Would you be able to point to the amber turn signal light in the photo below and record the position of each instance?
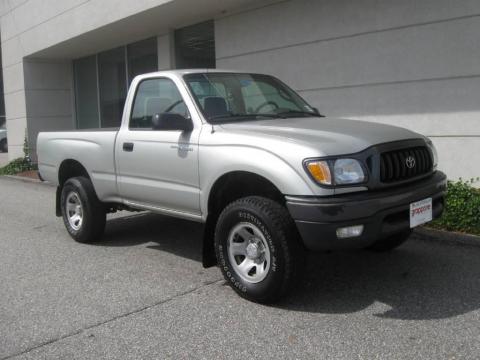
(320, 171)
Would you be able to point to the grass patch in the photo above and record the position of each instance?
(17, 166)
(20, 165)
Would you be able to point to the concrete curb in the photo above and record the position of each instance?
(447, 236)
(25, 179)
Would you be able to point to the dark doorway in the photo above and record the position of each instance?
(195, 46)
(2, 99)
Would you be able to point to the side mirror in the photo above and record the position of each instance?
(171, 121)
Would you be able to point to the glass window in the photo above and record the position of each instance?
(142, 58)
(195, 46)
(86, 94)
(101, 82)
(113, 86)
(204, 90)
(261, 92)
(237, 97)
(155, 96)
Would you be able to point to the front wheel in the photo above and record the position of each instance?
(258, 248)
(83, 214)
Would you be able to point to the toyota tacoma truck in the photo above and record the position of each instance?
(244, 154)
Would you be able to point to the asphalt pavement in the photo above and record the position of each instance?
(141, 293)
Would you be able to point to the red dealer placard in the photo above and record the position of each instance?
(420, 212)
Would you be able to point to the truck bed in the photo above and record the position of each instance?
(94, 149)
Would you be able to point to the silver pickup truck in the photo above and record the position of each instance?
(244, 154)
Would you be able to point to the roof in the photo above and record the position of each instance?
(181, 72)
(178, 73)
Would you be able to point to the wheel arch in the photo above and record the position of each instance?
(71, 168)
(227, 188)
(237, 184)
(68, 168)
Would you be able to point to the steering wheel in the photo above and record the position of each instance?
(175, 104)
(266, 103)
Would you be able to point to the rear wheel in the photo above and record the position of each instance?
(258, 249)
(391, 242)
(83, 214)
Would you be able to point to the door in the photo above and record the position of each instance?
(158, 169)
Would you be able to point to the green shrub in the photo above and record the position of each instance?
(17, 166)
(21, 164)
(462, 210)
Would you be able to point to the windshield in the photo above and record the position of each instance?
(226, 97)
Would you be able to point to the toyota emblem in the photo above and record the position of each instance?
(410, 162)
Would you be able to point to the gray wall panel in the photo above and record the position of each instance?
(409, 63)
(441, 50)
(300, 21)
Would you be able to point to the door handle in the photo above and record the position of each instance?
(128, 147)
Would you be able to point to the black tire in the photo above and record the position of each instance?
(285, 249)
(92, 225)
(4, 146)
(391, 242)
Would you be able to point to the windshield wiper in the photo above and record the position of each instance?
(242, 116)
(299, 112)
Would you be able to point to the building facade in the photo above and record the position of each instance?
(67, 64)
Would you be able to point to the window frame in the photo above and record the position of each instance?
(128, 50)
(75, 93)
(129, 81)
(132, 106)
(101, 99)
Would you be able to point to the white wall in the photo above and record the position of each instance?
(412, 63)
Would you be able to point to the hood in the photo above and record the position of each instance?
(330, 135)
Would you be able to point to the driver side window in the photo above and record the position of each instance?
(155, 96)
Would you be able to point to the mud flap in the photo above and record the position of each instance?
(209, 258)
(58, 209)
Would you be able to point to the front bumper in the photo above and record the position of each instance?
(383, 213)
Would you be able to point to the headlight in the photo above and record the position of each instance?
(433, 149)
(345, 171)
(348, 171)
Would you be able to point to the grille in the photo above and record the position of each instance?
(398, 165)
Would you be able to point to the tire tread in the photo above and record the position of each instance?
(288, 238)
(94, 209)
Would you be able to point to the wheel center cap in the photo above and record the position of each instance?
(253, 252)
